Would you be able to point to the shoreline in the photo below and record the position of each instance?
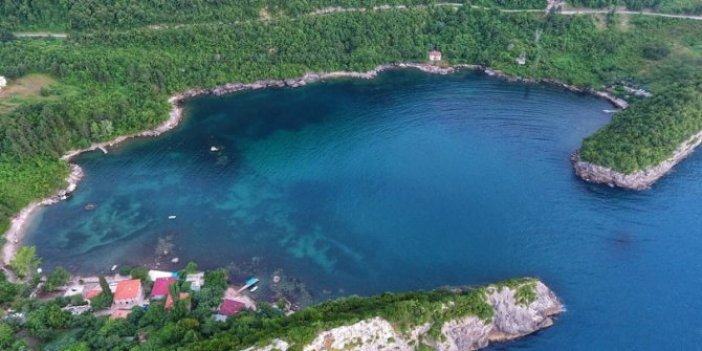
(15, 234)
(639, 180)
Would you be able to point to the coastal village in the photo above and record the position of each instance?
(119, 295)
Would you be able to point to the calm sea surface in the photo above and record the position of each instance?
(409, 181)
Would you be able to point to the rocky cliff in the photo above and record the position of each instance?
(517, 310)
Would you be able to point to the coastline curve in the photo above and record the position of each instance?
(18, 223)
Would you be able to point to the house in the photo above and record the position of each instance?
(3, 82)
(162, 287)
(128, 293)
(196, 280)
(434, 56)
(169, 300)
(228, 308)
(522, 59)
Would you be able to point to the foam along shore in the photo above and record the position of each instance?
(638, 180)
(19, 222)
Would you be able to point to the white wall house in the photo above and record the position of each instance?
(3, 82)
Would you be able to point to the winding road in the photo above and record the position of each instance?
(554, 5)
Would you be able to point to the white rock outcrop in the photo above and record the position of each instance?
(511, 320)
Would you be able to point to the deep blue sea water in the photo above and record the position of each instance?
(409, 181)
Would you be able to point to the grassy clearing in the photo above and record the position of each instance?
(23, 90)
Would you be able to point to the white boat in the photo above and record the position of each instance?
(171, 217)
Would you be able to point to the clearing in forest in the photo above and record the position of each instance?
(23, 89)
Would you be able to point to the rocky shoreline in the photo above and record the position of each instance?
(18, 224)
(511, 320)
(639, 180)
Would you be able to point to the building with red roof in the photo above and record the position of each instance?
(434, 56)
(229, 308)
(162, 287)
(128, 293)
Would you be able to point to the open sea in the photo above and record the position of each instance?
(409, 181)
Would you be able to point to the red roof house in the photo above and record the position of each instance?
(93, 293)
(434, 55)
(128, 293)
(230, 307)
(162, 287)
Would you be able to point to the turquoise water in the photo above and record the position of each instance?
(409, 181)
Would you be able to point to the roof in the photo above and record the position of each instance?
(90, 294)
(162, 286)
(127, 289)
(434, 52)
(230, 307)
(169, 300)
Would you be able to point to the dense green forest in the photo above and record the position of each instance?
(668, 6)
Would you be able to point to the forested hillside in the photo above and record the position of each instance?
(112, 82)
(668, 6)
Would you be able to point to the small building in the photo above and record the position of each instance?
(3, 82)
(522, 59)
(434, 56)
(196, 280)
(169, 300)
(229, 308)
(128, 293)
(162, 287)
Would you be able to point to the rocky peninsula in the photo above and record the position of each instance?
(639, 180)
(512, 318)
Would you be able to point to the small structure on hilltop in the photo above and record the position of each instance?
(128, 294)
(434, 56)
(3, 82)
(228, 308)
(162, 287)
(196, 280)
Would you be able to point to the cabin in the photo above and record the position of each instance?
(434, 56)
(128, 294)
(229, 308)
(162, 287)
(196, 280)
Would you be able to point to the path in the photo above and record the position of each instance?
(41, 35)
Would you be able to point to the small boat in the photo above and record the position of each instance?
(214, 149)
(113, 268)
(254, 288)
(171, 217)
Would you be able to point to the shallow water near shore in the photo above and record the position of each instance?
(409, 181)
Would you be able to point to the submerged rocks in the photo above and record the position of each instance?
(513, 317)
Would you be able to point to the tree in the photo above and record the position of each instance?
(58, 277)
(6, 336)
(26, 261)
